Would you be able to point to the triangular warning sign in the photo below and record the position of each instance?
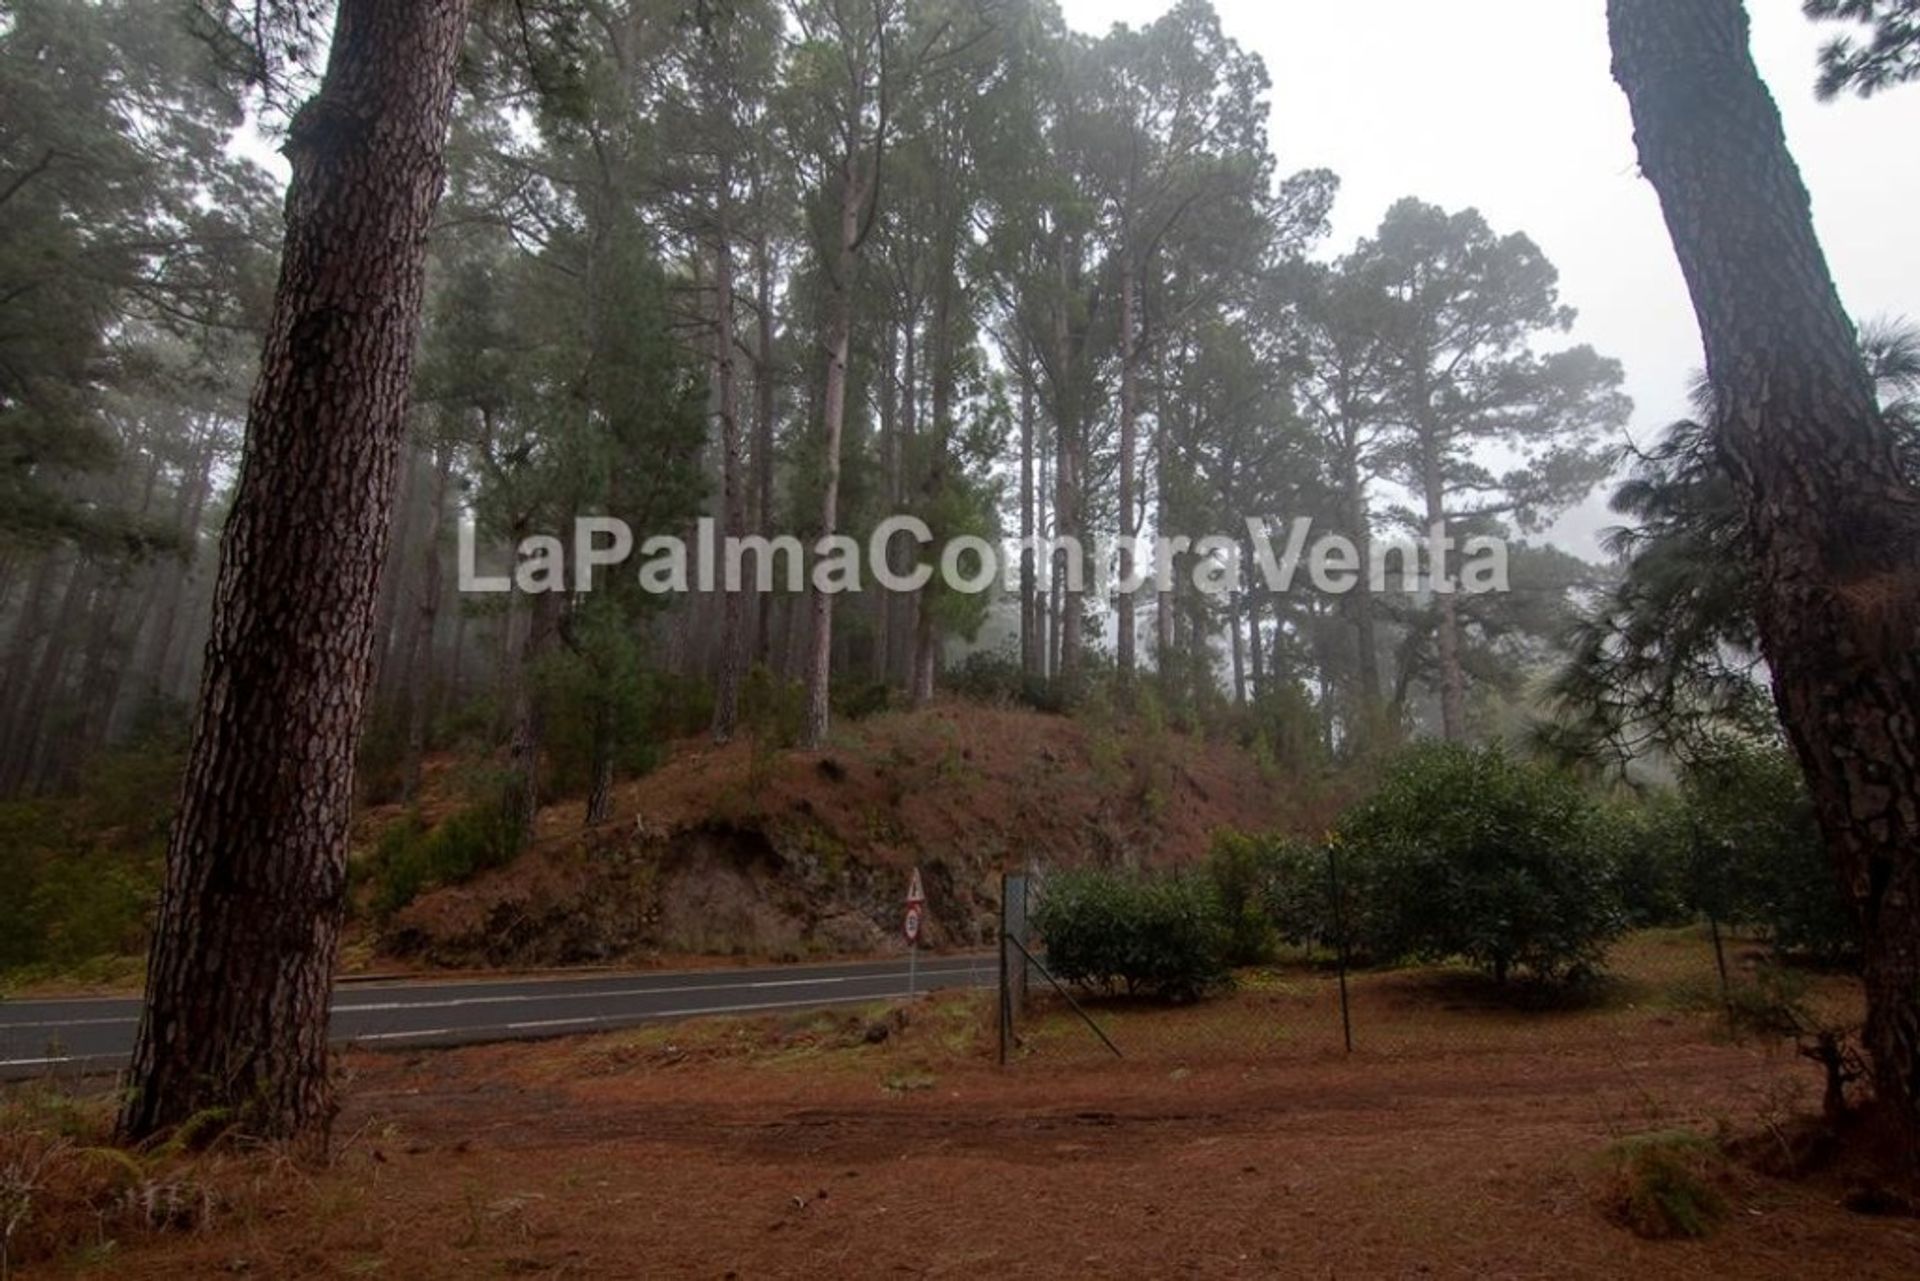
(916, 892)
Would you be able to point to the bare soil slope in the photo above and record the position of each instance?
(740, 850)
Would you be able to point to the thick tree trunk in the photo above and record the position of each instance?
(733, 498)
(241, 968)
(1835, 526)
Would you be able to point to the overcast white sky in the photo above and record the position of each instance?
(1509, 106)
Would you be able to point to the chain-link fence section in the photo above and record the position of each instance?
(1650, 989)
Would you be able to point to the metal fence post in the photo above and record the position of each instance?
(1340, 939)
(1006, 1001)
(1726, 984)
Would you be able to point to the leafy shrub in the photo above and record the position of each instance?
(600, 690)
(79, 873)
(772, 710)
(1274, 890)
(860, 700)
(1647, 845)
(1472, 854)
(412, 858)
(1757, 856)
(995, 676)
(1158, 936)
(1237, 867)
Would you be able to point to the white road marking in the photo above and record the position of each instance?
(614, 1019)
(970, 970)
(624, 993)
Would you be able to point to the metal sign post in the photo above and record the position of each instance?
(916, 917)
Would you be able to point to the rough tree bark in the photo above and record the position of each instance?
(1835, 526)
(241, 966)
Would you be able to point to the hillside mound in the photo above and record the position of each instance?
(741, 850)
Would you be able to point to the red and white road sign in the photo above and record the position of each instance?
(916, 908)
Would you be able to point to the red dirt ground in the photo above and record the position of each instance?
(790, 1148)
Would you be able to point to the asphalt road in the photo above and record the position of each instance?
(40, 1037)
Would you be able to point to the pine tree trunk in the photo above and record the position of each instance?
(176, 573)
(764, 387)
(240, 973)
(28, 629)
(926, 637)
(1453, 675)
(43, 690)
(839, 351)
(1030, 639)
(890, 478)
(1361, 603)
(600, 794)
(733, 497)
(1256, 652)
(1129, 431)
(420, 684)
(1236, 642)
(1834, 523)
(528, 731)
(1067, 508)
(901, 627)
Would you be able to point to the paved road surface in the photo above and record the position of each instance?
(38, 1037)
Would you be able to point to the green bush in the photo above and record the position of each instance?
(860, 700)
(412, 858)
(1471, 854)
(773, 711)
(79, 873)
(994, 676)
(1237, 867)
(1646, 839)
(1757, 855)
(1274, 890)
(1159, 936)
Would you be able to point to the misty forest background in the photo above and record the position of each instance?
(799, 267)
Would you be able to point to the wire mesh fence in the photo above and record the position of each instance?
(1673, 986)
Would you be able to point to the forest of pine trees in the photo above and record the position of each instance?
(794, 267)
(802, 266)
